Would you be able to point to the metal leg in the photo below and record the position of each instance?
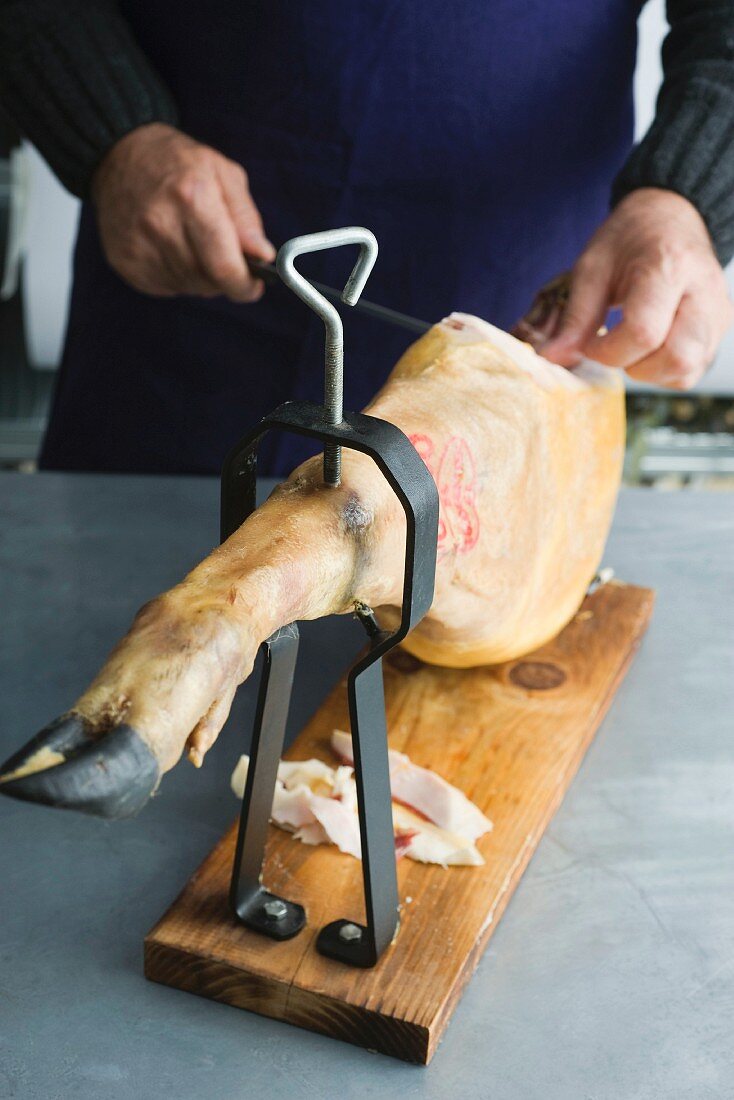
(342, 939)
(255, 906)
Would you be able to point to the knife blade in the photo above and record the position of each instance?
(269, 274)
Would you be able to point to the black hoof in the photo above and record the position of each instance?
(110, 776)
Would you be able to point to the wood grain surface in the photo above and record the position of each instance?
(512, 737)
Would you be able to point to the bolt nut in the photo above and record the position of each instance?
(350, 933)
(275, 909)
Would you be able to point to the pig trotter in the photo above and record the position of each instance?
(110, 776)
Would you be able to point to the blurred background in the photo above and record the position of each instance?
(674, 441)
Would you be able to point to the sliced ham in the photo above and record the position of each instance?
(428, 843)
(425, 791)
(318, 804)
(304, 803)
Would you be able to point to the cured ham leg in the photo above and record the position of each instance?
(527, 457)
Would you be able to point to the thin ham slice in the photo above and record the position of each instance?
(425, 791)
(433, 821)
(428, 843)
(305, 804)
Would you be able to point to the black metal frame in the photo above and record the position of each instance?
(409, 478)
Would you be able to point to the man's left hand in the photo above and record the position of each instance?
(653, 259)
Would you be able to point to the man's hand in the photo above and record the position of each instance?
(175, 216)
(653, 259)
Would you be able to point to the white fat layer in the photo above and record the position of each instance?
(463, 328)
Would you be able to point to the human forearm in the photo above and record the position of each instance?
(690, 146)
(74, 81)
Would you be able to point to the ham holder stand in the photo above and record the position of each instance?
(408, 476)
(389, 974)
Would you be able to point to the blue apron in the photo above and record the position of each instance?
(476, 138)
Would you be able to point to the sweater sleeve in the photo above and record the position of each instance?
(74, 81)
(690, 146)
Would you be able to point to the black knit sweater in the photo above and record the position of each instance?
(74, 81)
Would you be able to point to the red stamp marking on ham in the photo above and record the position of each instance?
(455, 475)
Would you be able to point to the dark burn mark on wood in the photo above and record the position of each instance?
(537, 675)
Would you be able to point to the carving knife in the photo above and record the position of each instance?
(269, 274)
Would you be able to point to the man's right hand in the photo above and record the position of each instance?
(175, 216)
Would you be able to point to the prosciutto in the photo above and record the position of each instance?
(424, 791)
(434, 822)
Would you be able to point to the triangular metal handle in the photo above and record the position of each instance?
(334, 348)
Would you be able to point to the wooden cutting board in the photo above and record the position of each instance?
(511, 737)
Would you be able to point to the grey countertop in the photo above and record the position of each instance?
(612, 972)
